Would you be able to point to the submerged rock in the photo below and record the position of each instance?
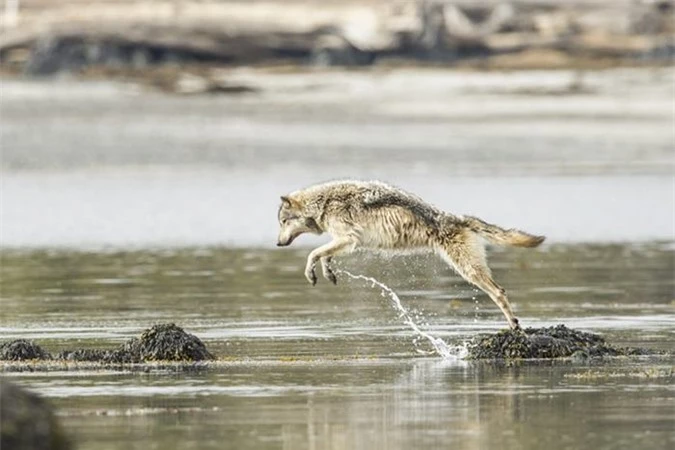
(82, 355)
(546, 343)
(97, 355)
(22, 350)
(27, 422)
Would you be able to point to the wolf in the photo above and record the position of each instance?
(377, 216)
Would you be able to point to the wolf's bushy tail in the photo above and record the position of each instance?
(500, 236)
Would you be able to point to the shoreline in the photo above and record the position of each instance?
(44, 39)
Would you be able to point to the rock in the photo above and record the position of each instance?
(22, 350)
(84, 355)
(162, 342)
(333, 50)
(545, 343)
(27, 422)
(188, 84)
(51, 55)
(579, 356)
(116, 356)
(168, 342)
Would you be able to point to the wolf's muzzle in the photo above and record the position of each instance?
(287, 242)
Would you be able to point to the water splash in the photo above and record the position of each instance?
(439, 345)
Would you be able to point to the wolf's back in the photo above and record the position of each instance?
(500, 236)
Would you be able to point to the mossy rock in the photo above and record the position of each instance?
(22, 350)
(96, 355)
(162, 342)
(545, 343)
(27, 421)
(167, 342)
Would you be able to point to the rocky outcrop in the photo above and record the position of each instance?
(22, 350)
(546, 343)
(162, 342)
(27, 421)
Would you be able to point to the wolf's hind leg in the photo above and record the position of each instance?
(327, 271)
(484, 281)
(469, 262)
(325, 251)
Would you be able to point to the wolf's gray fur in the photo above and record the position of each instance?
(375, 215)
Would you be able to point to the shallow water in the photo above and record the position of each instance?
(117, 166)
(121, 208)
(336, 366)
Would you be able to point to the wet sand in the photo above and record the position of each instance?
(95, 165)
(365, 123)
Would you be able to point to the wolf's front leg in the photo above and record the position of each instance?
(310, 274)
(324, 253)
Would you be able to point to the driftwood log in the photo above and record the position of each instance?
(43, 37)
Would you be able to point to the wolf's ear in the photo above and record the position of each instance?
(288, 201)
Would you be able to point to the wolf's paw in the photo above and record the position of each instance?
(515, 325)
(310, 274)
(327, 271)
(330, 276)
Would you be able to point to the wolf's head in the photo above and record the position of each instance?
(294, 221)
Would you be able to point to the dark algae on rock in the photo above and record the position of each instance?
(546, 343)
(21, 350)
(27, 422)
(162, 342)
(167, 342)
(116, 356)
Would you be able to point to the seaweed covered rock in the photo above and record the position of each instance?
(162, 342)
(27, 422)
(117, 356)
(551, 342)
(167, 342)
(82, 355)
(22, 350)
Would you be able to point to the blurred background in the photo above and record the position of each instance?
(128, 123)
(144, 147)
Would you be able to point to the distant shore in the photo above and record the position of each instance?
(159, 40)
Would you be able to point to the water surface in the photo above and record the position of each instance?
(122, 207)
(336, 366)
